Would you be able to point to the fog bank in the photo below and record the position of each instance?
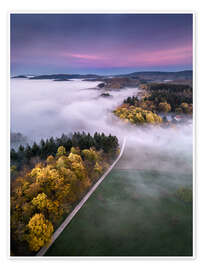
(45, 108)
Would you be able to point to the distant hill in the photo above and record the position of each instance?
(19, 77)
(141, 76)
(137, 78)
(65, 77)
(159, 75)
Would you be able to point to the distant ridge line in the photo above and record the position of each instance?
(89, 75)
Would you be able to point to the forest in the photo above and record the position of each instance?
(167, 87)
(158, 98)
(169, 97)
(45, 190)
(30, 155)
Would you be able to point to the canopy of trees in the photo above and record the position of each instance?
(30, 155)
(42, 196)
(165, 98)
(158, 99)
(40, 231)
(137, 115)
(175, 100)
(169, 87)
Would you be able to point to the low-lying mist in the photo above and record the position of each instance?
(135, 211)
(45, 108)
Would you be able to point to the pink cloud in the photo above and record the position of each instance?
(119, 56)
(123, 57)
(84, 56)
(168, 56)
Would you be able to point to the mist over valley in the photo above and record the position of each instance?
(153, 175)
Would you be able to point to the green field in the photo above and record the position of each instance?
(132, 213)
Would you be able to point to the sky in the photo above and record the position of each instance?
(100, 43)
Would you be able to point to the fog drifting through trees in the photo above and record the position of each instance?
(157, 161)
(45, 108)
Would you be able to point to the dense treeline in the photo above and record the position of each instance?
(164, 98)
(169, 87)
(179, 102)
(30, 155)
(42, 196)
(163, 102)
(158, 98)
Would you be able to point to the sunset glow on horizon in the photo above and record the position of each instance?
(100, 43)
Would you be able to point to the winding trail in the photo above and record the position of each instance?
(56, 234)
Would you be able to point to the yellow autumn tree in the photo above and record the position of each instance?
(50, 160)
(32, 190)
(164, 107)
(137, 115)
(150, 118)
(74, 158)
(75, 150)
(140, 118)
(46, 205)
(40, 201)
(97, 170)
(61, 151)
(90, 155)
(79, 170)
(48, 177)
(178, 110)
(40, 232)
(185, 107)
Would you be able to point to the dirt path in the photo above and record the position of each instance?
(80, 204)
